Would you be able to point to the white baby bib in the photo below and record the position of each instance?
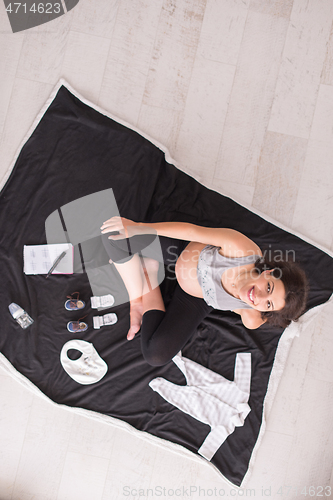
(89, 368)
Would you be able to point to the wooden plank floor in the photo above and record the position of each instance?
(241, 93)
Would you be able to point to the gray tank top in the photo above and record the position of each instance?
(211, 266)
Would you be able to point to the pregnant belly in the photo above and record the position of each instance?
(186, 269)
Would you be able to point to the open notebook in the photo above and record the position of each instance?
(38, 259)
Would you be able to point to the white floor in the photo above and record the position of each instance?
(241, 93)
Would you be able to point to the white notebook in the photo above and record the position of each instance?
(38, 259)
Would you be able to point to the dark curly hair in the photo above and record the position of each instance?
(296, 286)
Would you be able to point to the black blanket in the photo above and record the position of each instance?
(76, 151)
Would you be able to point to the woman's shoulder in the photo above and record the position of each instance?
(239, 245)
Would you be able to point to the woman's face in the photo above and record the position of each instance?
(263, 292)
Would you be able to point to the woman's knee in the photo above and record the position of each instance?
(152, 265)
(154, 357)
(117, 250)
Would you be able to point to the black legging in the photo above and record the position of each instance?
(163, 334)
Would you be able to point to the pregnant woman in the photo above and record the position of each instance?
(216, 268)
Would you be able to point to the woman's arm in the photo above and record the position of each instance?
(251, 319)
(232, 243)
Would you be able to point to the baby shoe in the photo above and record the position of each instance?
(77, 326)
(74, 304)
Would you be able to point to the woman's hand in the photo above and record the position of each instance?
(125, 228)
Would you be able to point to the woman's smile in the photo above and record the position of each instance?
(250, 295)
(264, 292)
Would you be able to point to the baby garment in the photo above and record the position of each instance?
(210, 398)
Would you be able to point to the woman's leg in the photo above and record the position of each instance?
(151, 297)
(151, 293)
(164, 334)
(140, 279)
(131, 275)
(139, 276)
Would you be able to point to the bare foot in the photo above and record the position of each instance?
(135, 317)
